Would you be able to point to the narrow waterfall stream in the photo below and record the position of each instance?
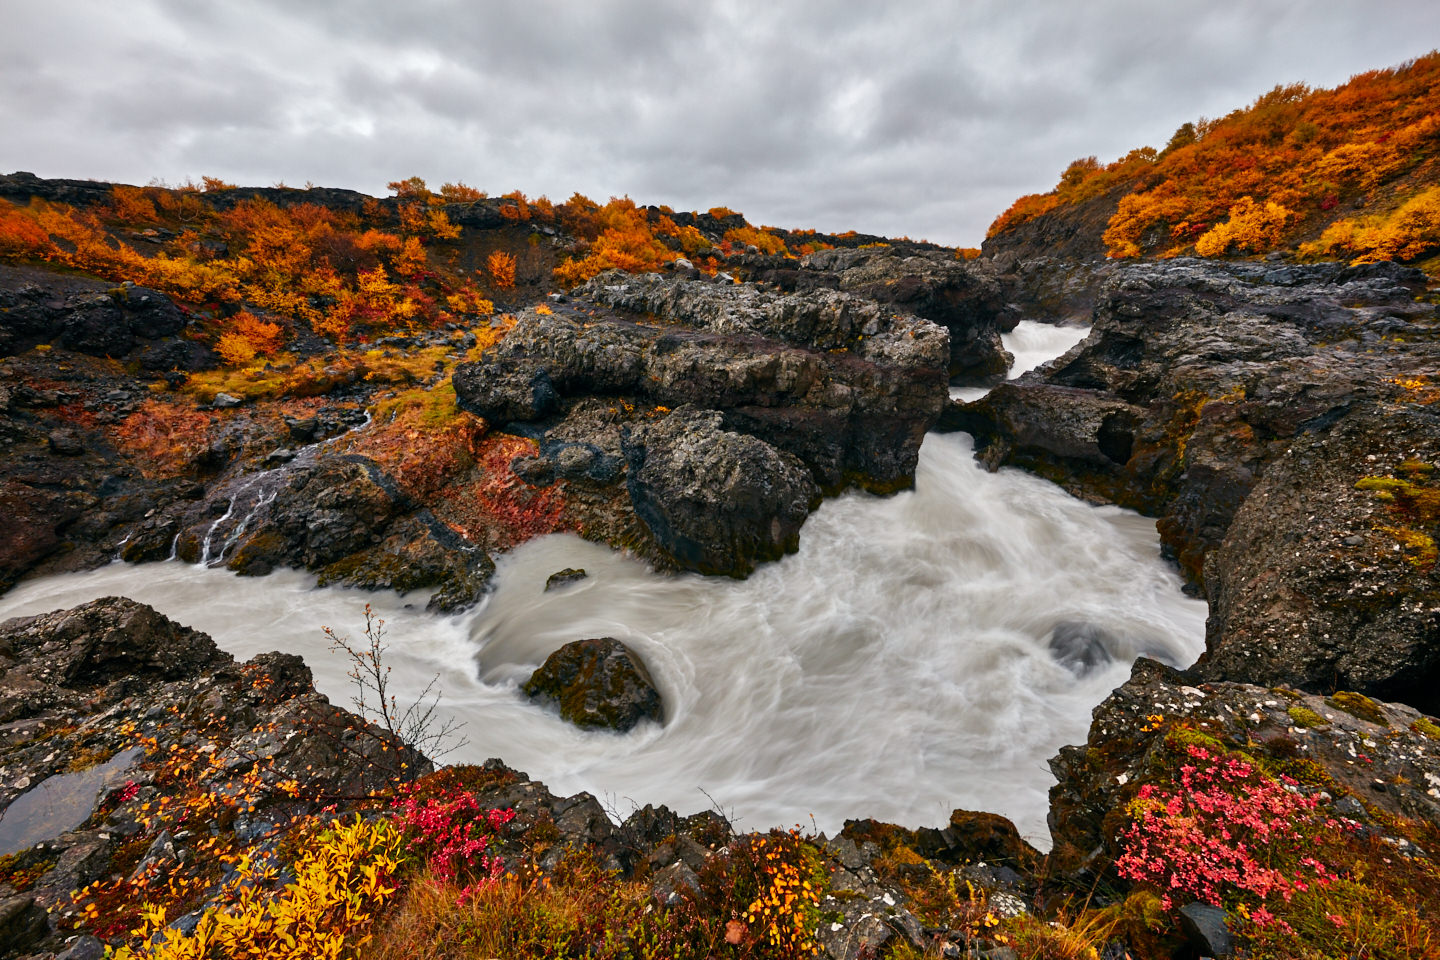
(921, 652)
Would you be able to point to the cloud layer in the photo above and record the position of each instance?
(924, 118)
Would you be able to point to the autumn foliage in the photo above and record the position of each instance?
(1290, 168)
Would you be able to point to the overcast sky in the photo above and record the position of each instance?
(909, 117)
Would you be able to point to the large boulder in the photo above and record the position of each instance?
(597, 683)
(717, 501)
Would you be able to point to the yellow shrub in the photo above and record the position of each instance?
(1252, 228)
(341, 882)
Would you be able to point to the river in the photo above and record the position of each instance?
(920, 652)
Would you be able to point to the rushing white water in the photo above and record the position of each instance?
(1032, 344)
(900, 665)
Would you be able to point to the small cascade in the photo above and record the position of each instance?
(263, 487)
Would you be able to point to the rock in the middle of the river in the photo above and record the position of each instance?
(597, 683)
(778, 398)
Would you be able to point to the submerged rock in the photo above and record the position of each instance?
(563, 578)
(597, 683)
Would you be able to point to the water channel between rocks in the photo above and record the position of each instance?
(921, 652)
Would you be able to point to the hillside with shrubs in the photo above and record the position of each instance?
(1350, 173)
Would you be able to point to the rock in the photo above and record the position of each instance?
(94, 642)
(225, 401)
(670, 883)
(563, 578)
(150, 313)
(716, 501)
(66, 443)
(23, 922)
(83, 948)
(1205, 928)
(97, 327)
(597, 683)
(303, 429)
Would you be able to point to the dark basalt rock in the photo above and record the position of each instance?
(964, 297)
(717, 501)
(830, 383)
(1241, 404)
(88, 316)
(563, 578)
(91, 644)
(1205, 928)
(597, 683)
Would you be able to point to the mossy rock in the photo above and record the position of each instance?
(1359, 705)
(1426, 727)
(1304, 717)
(597, 683)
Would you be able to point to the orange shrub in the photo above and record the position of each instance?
(1252, 227)
(501, 267)
(762, 240)
(411, 188)
(131, 205)
(165, 437)
(20, 235)
(249, 337)
(460, 193)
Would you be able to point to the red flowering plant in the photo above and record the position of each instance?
(1224, 833)
(452, 832)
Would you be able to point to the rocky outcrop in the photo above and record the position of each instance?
(963, 296)
(115, 680)
(597, 683)
(807, 392)
(338, 516)
(1364, 762)
(1264, 413)
(91, 317)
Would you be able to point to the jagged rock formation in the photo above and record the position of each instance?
(809, 394)
(965, 297)
(1246, 405)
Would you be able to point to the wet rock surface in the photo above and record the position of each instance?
(1253, 408)
(597, 683)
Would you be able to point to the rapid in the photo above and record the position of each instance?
(920, 652)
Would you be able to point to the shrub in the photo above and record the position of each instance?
(501, 267)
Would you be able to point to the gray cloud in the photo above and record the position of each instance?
(925, 118)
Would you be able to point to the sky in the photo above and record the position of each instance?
(913, 117)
